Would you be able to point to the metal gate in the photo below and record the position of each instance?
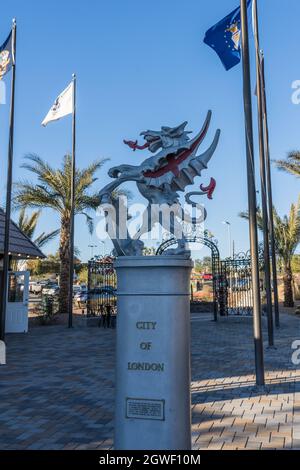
(102, 284)
(215, 265)
(235, 291)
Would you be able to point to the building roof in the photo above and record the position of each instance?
(20, 245)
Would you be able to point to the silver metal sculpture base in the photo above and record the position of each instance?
(153, 405)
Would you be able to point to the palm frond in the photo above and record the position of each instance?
(35, 196)
(21, 217)
(89, 221)
(47, 176)
(77, 252)
(45, 238)
(245, 215)
(28, 223)
(286, 231)
(291, 164)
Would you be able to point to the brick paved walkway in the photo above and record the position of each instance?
(57, 391)
(229, 412)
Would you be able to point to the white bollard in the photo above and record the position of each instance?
(153, 404)
(2, 353)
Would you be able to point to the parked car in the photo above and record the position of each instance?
(103, 295)
(81, 297)
(51, 289)
(35, 287)
(80, 294)
(97, 296)
(108, 288)
(240, 285)
(76, 290)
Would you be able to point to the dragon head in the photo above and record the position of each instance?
(166, 137)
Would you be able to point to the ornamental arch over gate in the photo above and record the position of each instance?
(215, 263)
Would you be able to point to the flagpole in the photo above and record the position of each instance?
(72, 216)
(6, 261)
(269, 191)
(265, 216)
(257, 328)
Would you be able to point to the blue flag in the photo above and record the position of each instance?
(225, 38)
(6, 56)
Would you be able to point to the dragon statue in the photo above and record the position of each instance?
(161, 177)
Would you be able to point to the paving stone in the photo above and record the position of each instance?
(253, 445)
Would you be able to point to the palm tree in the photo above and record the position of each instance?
(53, 191)
(291, 164)
(27, 224)
(287, 238)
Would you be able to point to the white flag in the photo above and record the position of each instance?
(62, 106)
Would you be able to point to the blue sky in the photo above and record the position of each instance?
(141, 65)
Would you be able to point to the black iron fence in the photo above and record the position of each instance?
(230, 284)
(235, 287)
(199, 282)
(102, 290)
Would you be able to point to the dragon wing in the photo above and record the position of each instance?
(180, 169)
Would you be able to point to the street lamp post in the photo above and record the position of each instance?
(103, 248)
(229, 236)
(92, 250)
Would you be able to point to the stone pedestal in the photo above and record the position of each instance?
(153, 409)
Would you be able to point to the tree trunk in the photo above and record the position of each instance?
(64, 254)
(288, 287)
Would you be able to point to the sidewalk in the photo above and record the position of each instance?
(229, 412)
(57, 391)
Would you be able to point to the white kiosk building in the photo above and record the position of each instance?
(20, 248)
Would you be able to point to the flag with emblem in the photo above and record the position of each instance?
(6, 56)
(62, 106)
(225, 38)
